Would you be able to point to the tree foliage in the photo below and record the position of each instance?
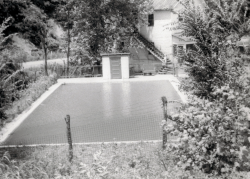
(44, 30)
(216, 32)
(13, 9)
(100, 24)
(19, 11)
(213, 128)
(9, 75)
(66, 14)
(47, 6)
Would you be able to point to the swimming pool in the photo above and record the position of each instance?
(100, 112)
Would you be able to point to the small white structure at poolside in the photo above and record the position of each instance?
(115, 65)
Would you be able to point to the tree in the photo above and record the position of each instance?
(101, 24)
(47, 6)
(244, 10)
(66, 14)
(216, 32)
(44, 30)
(48, 39)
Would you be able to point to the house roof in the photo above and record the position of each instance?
(164, 4)
(170, 4)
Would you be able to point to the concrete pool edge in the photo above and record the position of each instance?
(101, 79)
(175, 83)
(90, 143)
(10, 127)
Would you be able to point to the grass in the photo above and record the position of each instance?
(137, 160)
(29, 95)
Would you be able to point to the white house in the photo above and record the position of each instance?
(160, 43)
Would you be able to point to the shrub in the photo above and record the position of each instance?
(213, 127)
(214, 135)
(216, 29)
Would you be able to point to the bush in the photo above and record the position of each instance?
(214, 135)
(213, 127)
(216, 33)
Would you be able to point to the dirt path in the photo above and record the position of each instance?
(27, 65)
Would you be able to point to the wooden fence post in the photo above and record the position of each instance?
(164, 134)
(67, 120)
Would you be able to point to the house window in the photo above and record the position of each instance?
(151, 20)
(177, 50)
(180, 49)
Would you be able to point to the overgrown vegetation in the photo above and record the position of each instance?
(213, 128)
(216, 29)
(32, 20)
(30, 94)
(10, 75)
(139, 160)
(18, 88)
(22, 91)
(21, 12)
(111, 22)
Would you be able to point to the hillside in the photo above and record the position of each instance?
(30, 20)
(26, 45)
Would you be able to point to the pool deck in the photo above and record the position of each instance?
(136, 78)
(10, 127)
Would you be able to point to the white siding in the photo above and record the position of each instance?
(125, 67)
(158, 33)
(106, 67)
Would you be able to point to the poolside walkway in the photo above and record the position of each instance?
(136, 78)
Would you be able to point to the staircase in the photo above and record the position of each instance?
(154, 51)
(150, 47)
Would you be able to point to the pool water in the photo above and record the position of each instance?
(100, 112)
